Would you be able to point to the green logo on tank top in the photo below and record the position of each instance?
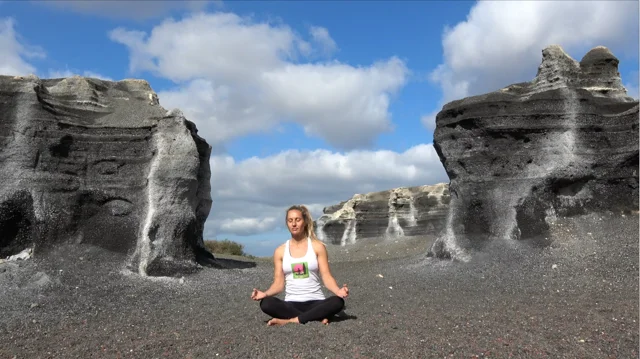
(300, 270)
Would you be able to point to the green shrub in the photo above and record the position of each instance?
(225, 247)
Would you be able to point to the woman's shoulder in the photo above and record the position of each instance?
(280, 250)
(317, 241)
(318, 245)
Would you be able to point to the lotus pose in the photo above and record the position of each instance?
(297, 264)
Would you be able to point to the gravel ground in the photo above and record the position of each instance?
(577, 298)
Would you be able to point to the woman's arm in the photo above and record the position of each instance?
(278, 275)
(325, 272)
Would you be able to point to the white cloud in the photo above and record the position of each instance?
(14, 52)
(321, 36)
(236, 77)
(346, 106)
(220, 112)
(501, 42)
(429, 120)
(251, 196)
(221, 46)
(134, 9)
(70, 73)
(247, 226)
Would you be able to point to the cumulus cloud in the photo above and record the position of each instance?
(252, 195)
(134, 9)
(235, 76)
(500, 42)
(14, 52)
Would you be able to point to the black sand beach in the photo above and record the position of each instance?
(577, 298)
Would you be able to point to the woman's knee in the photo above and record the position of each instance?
(337, 301)
(266, 303)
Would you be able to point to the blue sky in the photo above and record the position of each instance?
(309, 102)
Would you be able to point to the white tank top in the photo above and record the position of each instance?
(301, 275)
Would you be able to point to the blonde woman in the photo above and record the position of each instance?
(299, 263)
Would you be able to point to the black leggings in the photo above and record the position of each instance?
(305, 311)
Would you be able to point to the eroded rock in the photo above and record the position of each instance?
(84, 160)
(565, 143)
(400, 212)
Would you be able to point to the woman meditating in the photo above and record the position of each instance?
(297, 265)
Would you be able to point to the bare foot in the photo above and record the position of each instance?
(325, 321)
(277, 321)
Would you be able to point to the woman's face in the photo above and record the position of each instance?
(295, 222)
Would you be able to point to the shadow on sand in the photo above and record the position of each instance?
(226, 263)
(340, 317)
(206, 259)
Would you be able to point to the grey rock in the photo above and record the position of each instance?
(395, 213)
(84, 160)
(23, 255)
(40, 280)
(563, 144)
(333, 208)
(6, 266)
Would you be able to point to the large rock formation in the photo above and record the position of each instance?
(563, 144)
(406, 211)
(84, 160)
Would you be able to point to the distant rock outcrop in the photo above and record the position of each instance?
(406, 211)
(563, 144)
(84, 160)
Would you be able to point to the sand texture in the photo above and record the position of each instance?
(577, 298)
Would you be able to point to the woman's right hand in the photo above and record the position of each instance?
(257, 294)
(343, 292)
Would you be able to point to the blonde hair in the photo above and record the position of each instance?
(306, 216)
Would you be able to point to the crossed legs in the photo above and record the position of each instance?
(301, 312)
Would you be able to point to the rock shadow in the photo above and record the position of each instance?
(17, 222)
(234, 264)
(207, 259)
